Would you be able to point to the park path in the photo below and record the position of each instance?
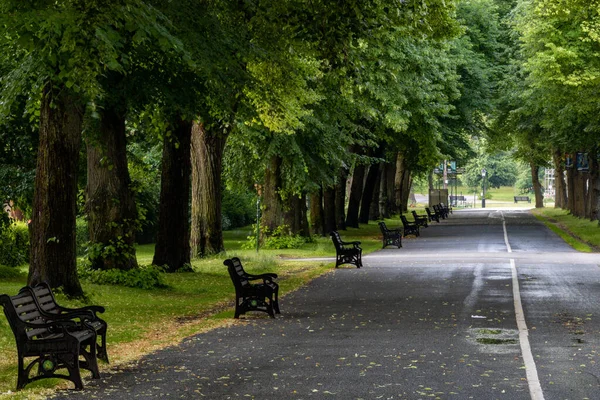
(434, 319)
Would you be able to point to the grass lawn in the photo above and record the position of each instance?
(582, 234)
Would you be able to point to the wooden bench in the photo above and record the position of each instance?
(49, 307)
(410, 228)
(346, 252)
(522, 198)
(253, 296)
(390, 236)
(433, 216)
(440, 211)
(420, 220)
(55, 343)
(447, 209)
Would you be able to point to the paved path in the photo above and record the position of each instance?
(485, 305)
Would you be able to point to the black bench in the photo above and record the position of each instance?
(49, 307)
(440, 211)
(447, 209)
(410, 228)
(433, 216)
(253, 296)
(522, 198)
(420, 220)
(390, 236)
(55, 343)
(458, 200)
(346, 252)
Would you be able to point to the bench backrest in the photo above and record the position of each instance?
(404, 220)
(337, 240)
(21, 310)
(236, 273)
(383, 227)
(45, 298)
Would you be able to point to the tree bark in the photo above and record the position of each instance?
(329, 209)
(390, 174)
(316, 213)
(172, 247)
(294, 215)
(368, 191)
(110, 203)
(571, 190)
(594, 189)
(378, 199)
(402, 184)
(356, 190)
(272, 212)
(560, 187)
(52, 228)
(537, 186)
(207, 165)
(340, 199)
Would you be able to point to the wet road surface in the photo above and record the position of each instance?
(435, 319)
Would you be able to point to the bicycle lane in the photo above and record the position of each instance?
(561, 300)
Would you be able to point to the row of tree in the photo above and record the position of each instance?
(549, 108)
(293, 98)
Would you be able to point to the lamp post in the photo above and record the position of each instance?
(483, 173)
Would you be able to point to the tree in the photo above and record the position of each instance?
(60, 52)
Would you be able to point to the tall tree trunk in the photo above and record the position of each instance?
(207, 165)
(560, 187)
(595, 186)
(368, 191)
(340, 199)
(406, 185)
(329, 209)
(294, 215)
(571, 190)
(316, 212)
(580, 194)
(402, 184)
(173, 239)
(390, 175)
(356, 190)
(110, 203)
(378, 200)
(272, 212)
(537, 186)
(52, 226)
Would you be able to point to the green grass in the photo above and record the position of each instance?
(582, 234)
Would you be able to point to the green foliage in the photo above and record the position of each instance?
(281, 239)
(10, 273)
(14, 243)
(238, 208)
(147, 277)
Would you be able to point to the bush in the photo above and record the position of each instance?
(10, 273)
(14, 244)
(82, 236)
(146, 277)
(238, 209)
(278, 239)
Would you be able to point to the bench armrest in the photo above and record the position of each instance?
(93, 309)
(268, 275)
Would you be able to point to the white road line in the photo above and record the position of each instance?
(535, 388)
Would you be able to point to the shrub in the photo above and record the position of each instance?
(10, 273)
(14, 244)
(278, 239)
(146, 277)
(82, 236)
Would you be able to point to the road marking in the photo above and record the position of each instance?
(535, 388)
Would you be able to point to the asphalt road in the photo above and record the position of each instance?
(484, 305)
